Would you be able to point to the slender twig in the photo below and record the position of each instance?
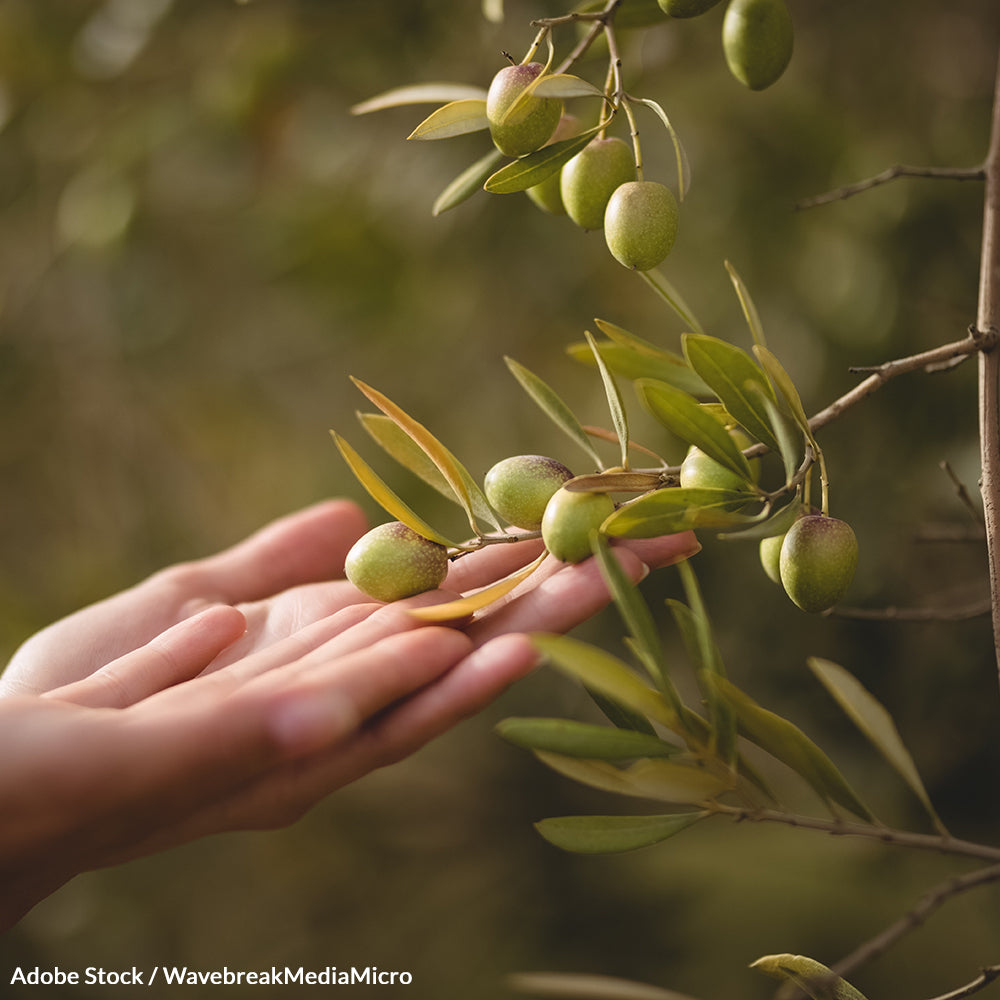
(963, 494)
(958, 613)
(901, 366)
(912, 919)
(988, 322)
(838, 828)
(985, 977)
(891, 174)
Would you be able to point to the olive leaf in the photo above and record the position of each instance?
(814, 978)
(786, 742)
(582, 739)
(682, 414)
(786, 387)
(633, 364)
(613, 834)
(467, 183)
(493, 11)
(450, 468)
(871, 717)
(676, 508)
(615, 404)
(661, 780)
(565, 85)
(683, 167)
(582, 986)
(465, 607)
(747, 303)
(455, 118)
(665, 289)
(599, 671)
(736, 379)
(553, 407)
(532, 169)
(398, 444)
(382, 494)
(773, 524)
(419, 93)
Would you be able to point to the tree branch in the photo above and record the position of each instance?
(980, 982)
(891, 174)
(988, 321)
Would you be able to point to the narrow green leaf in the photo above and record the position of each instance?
(872, 718)
(467, 183)
(787, 743)
(456, 476)
(527, 171)
(564, 86)
(466, 607)
(383, 495)
(683, 167)
(581, 986)
(672, 297)
(419, 93)
(814, 978)
(582, 739)
(633, 364)
(736, 379)
(749, 309)
(493, 11)
(790, 445)
(619, 418)
(677, 509)
(613, 834)
(682, 414)
(601, 672)
(661, 780)
(456, 118)
(553, 407)
(784, 384)
(770, 526)
(620, 716)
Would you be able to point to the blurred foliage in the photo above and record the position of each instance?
(198, 244)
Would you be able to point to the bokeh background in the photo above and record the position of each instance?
(199, 243)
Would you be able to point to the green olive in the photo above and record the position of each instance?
(700, 471)
(569, 519)
(590, 178)
(519, 488)
(392, 561)
(686, 8)
(770, 556)
(757, 39)
(640, 224)
(818, 558)
(520, 123)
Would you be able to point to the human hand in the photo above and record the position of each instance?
(243, 717)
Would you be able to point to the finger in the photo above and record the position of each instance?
(175, 655)
(304, 547)
(564, 599)
(490, 564)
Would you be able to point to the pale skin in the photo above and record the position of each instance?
(236, 691)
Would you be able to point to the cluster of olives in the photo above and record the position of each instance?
(757, 36)
(814, 561)
(597, 188)
(392, 561)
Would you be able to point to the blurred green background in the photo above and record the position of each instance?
(199, 243)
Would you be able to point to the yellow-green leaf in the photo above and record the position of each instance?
(632, 363)
(553, 407)
(672, 297)
(784, 384)
(871, 717)
(676, 508)
(607, 675)
(615, 404)
(565, 85)
(580, 986)
(382, 494)
(787, 743)
(613, 834)
(582, 739)
(465, 607)
(807, 974)
(467, 183)
(436, 452)
(456, 118)
(683, 168)
(419, 93)
(747, 303)
(527, 171)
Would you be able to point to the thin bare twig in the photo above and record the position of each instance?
(912, 919)
(985, 977)
(958, 613)
(891, 174)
